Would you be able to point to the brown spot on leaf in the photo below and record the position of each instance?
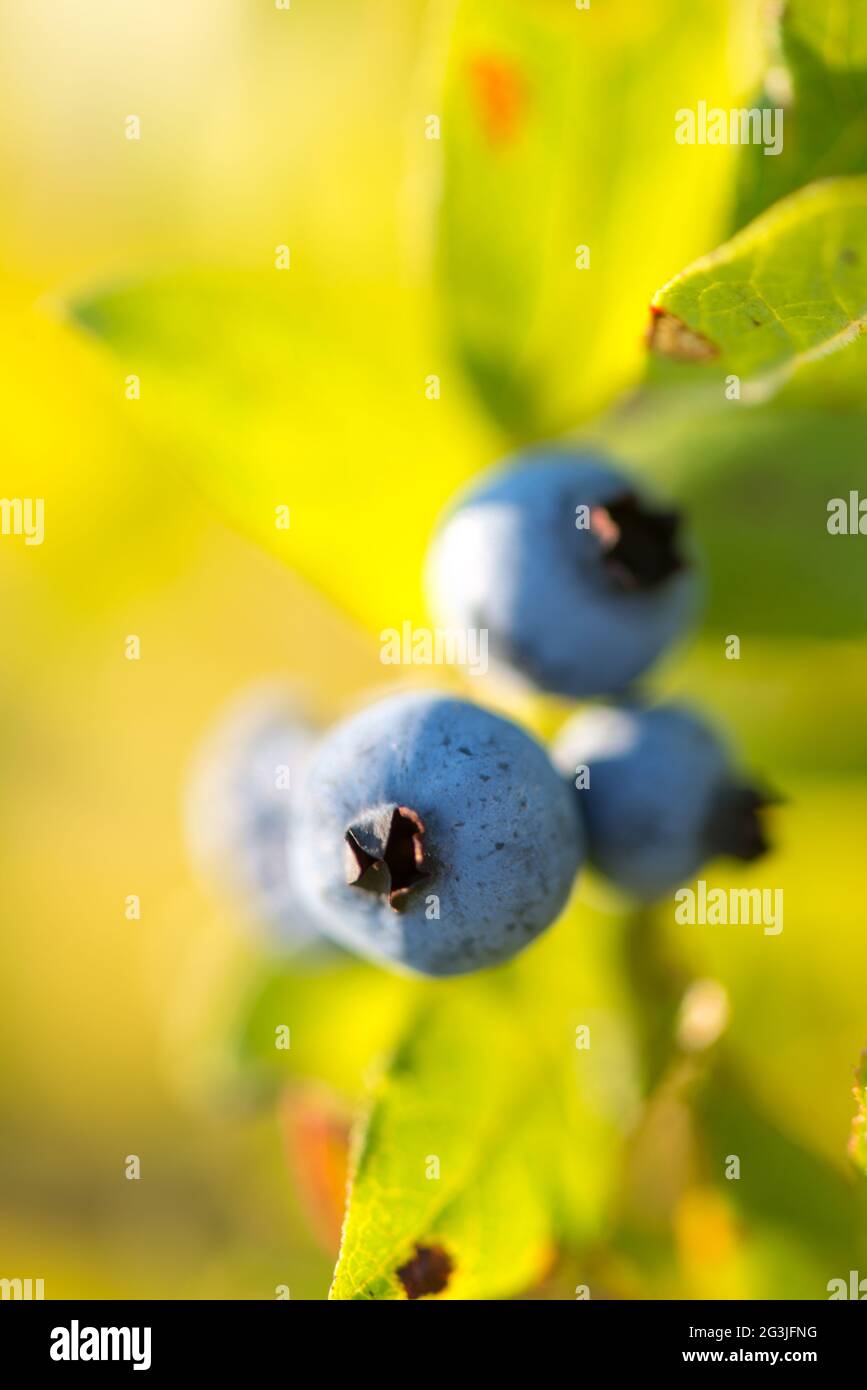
(428, 1272)
(500, 95)
(670, 337)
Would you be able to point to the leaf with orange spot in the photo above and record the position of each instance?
(558, 133)
(500, 94)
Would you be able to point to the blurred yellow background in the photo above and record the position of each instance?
(245, 131)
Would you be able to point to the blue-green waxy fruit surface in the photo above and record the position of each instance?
(434, 836)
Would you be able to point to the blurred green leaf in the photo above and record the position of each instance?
(858, 1140)
(782, 1185)
(777, 701)
(822, 49)
(229, 1048)
(774, 1227)
(755, 483)
(692, 1224)
(837, 32)
(342, 1017)
(817, 867)
(758, 505)
(789, 289)
(558, 133)
(269, 394)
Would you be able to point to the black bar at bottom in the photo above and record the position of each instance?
(160, 1337)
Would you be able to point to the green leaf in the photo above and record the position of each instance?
(690, 1227)
(490, 1137)
(858, 1140)
(822, 48)
(789, 289)
(228, 1043)
(341, 1014)
(788, 1215)
(765, 975)
(271, 393)
(558, 133)
(777, 703)
(836, 32)
(458, 1093)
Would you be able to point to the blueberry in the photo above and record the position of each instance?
(579, 579)
(434, 835)
(661, 798)
(242, 795)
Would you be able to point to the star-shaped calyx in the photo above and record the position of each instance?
(736, 826)
(385, 853)
(639, 544)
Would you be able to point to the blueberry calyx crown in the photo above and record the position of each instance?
(385, 853)
(735, 826)
(639, 545)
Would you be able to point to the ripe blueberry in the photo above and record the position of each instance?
(580, 580)
(434, 835)
(242, 797)
(661, 798)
